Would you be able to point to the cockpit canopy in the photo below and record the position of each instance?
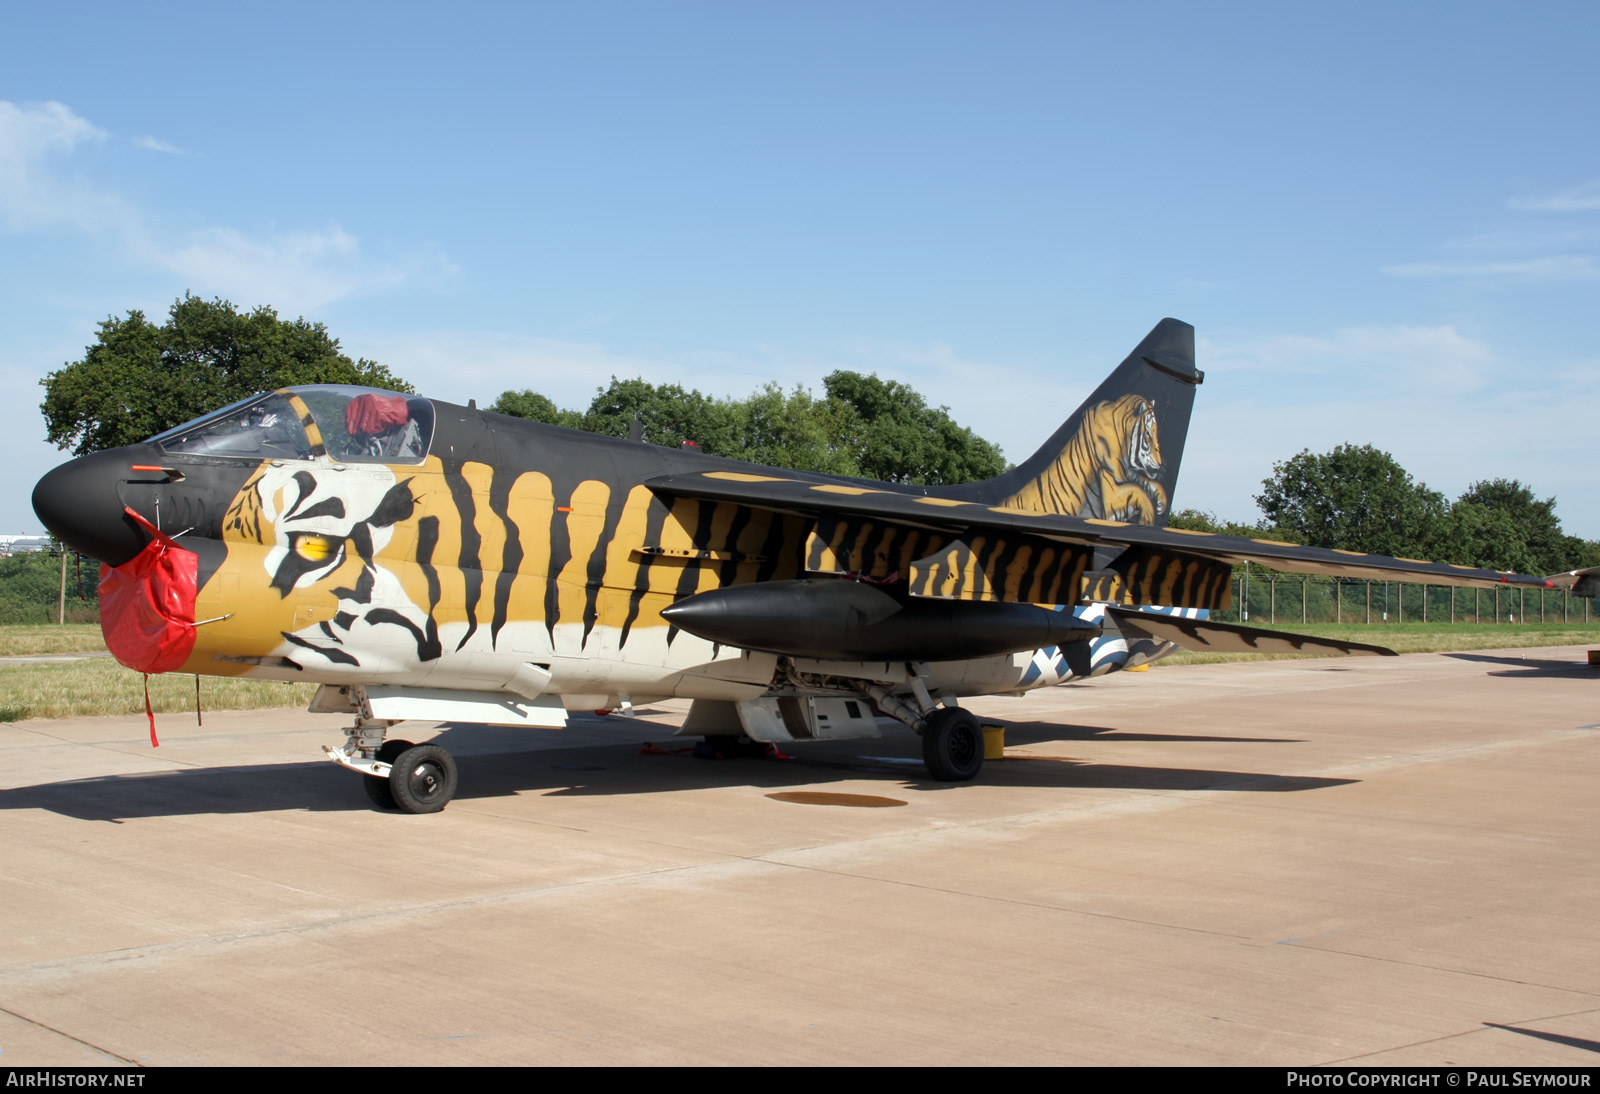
(347, 423)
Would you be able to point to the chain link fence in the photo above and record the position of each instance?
(43, 587)
(1284, 599)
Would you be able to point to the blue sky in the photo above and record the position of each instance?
(1383, 219)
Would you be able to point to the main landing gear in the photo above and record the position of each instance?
(397, 774)
(952, 738)
(952, 745)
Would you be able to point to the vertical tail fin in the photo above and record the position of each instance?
(1117, 457)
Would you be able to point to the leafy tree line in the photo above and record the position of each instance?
(861, 426)
(139, 379)
(30, 588)
(1358, 498)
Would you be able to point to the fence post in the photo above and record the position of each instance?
(1272, 599)
(1369, 602)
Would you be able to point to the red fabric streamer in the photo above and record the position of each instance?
(150, 714)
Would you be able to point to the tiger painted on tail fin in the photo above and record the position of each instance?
(1109, 469)
(1116, 458)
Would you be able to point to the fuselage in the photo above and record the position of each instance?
(452, 548)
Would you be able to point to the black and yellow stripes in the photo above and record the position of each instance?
(840, 544)
(307, 422)
(1146, 575)
(518, 548)
(1016, 569)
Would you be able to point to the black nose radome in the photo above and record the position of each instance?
(79, 502)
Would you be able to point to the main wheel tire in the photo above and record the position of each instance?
(423, 779)
(377, 786)
(952, 745)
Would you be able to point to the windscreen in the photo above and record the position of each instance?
(260, 427)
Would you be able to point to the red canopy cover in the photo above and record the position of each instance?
(370, 414)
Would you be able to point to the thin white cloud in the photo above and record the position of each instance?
(1575, 199)
(153, 144)
(1524, 237)
(34, 137)
(1397, 357)
(292, 271)
(1550, 268)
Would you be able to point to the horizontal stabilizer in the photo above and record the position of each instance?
(1202, 635)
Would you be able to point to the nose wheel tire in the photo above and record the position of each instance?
(377, 786)
(423, 779)
(952, 745)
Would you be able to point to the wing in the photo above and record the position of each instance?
(971, 550)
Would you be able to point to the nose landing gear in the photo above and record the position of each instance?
(397, 774)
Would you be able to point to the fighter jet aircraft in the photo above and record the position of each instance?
(426, 561)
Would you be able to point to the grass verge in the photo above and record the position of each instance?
(22, 640)
(1417, 638)
(101, 686)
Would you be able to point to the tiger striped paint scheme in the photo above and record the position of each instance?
(1147, 575)
(881, 550)
(458, 561)
(1018, 569)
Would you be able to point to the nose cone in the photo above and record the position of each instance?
(79, 502)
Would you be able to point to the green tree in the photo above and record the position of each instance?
(536, 408)
(1472, 534)
(30, 587)
(863, 427)
(670, 415)
(1501, 524)
(1354, 498)
(139, 379)
(894, 436)
(792, 430)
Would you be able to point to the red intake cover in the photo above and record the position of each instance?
(147, 605)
